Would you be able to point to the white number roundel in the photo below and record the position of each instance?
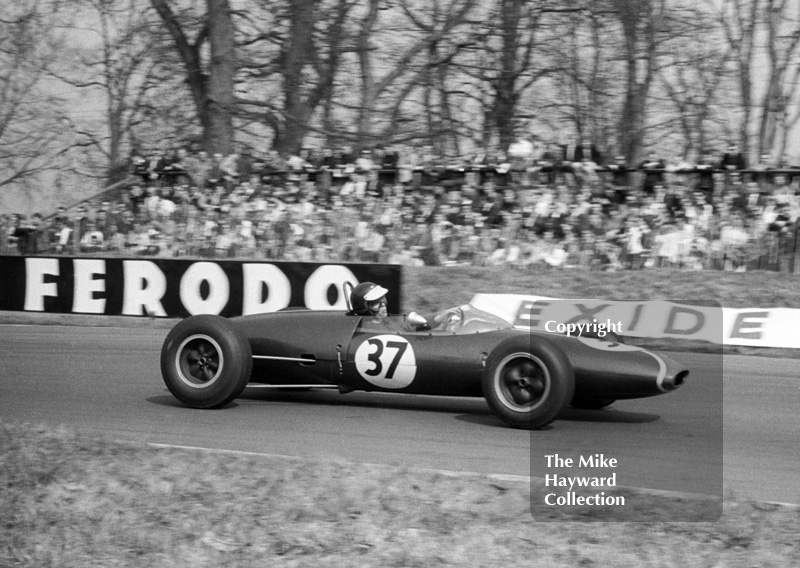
(386, 361)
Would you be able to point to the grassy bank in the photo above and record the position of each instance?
(74, 501)
(431, 288)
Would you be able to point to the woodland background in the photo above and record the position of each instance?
(86, 83)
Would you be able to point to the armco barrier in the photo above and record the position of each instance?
(165, 287)
(755, 327)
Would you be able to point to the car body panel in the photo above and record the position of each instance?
(334, 348)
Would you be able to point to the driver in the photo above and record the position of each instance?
(369, 299)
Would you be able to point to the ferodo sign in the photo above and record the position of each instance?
(179, 288)
(757, 327)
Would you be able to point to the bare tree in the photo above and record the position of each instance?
(790, 107)
(693, 70)
(31, 120)
(210, 78)
(640, 20)
(518, 25)
(298, 53)
(510, 53)
(739, 20)
(782, 22)
(419, 63)
(586, 46)
(766, 76)
(290, 54)
(117, 64)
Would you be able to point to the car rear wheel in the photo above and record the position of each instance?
(528, 382)
(206, 362)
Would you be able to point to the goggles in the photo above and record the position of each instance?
(376, 305)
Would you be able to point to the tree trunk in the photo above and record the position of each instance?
(213, 93)
(637, 19)
(117, 165)
(218, 113)
(296, 55)
(506, 96)
(369, 93)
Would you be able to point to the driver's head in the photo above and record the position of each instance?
(369, 299)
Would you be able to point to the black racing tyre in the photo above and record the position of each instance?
(528, 382)
(592, 403)
(206, 362)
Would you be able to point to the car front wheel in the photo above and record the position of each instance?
(205, 361)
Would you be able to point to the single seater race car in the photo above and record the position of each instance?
(527, 377)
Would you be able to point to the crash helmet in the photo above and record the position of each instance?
(367, 297)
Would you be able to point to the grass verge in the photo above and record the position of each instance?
(429, 288)
(68, 500)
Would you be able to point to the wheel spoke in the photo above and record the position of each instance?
(193, 355)
(514, 384)
(521, 395)
(513, 376)
(208, 372)
(528, 369)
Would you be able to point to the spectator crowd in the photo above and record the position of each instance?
(553, 207)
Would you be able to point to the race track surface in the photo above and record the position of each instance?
(107, 381)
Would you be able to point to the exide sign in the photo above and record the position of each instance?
(177, 287)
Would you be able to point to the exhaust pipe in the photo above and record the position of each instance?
(672, 382)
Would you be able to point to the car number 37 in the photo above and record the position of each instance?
(386, 361)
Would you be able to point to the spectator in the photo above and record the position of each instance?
(620, 179)
(582, 152)
(136, 197)
(199, 169)
(788, 162)
(733, 159)
(92, 239)
(157, 166)
(654, 169)
(229, 169)
(175, 168)
(216, 172)
(591, 220)
(139, 167)
(734, 239)
(19, 235)
(41, 236)
(114, 239)
(63, 236)
(80, 225)
(705, 175)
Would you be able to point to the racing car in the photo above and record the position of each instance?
(527, 377)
